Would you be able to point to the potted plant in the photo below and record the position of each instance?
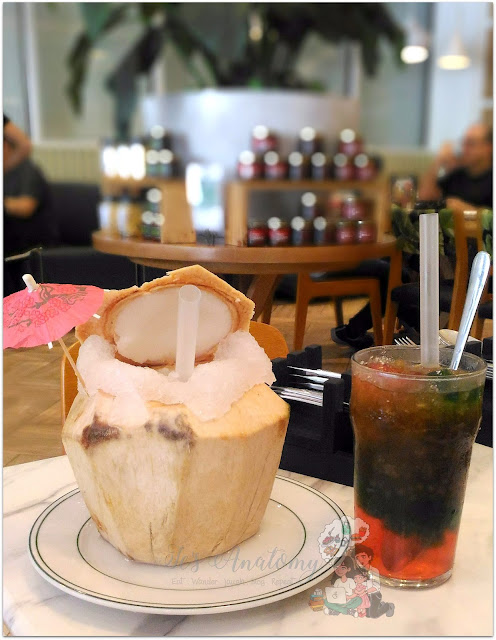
(243, 59)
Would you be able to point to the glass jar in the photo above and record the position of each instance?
(345, 232)
(257, 233)
(319, 166)
(309, 141)
(159, 138)
(323, 231)
(301, 231)
(298, 166)
(152, 163)
(249, 166)
(353, 208)
(137, 159)
(108, 158)
(129, 216)
(123, 160)
(275, 168)
(279, 232)
(365, 168)
(343, 167)
(309, 208)
(104, 213)
(167, 164)
(350, 143)
(366, 231)
(263, 140)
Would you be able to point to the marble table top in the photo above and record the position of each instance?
(462, 606)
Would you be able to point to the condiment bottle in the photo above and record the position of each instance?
(257, 233)
(298, 166)
(309, 205)
(309, 141)
(275, 168)
(263, 140)
(279, 232)
(366, 231)
(319, 166)
(249, 166)
(343, 167)
(167, 163)
(350, 143)
(345, 232)
(301, 231)
(323, 231)
(365, 168)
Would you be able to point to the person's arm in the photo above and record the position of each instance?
(20, 207)
(20, 142)
(428, 188)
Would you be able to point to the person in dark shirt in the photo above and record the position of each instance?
(464, 181)
(27, 220)
(21, 144)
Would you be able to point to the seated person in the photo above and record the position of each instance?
(27, 219)
(27, 222)
(465, 182)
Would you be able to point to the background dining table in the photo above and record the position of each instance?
(265, 265)
(462, 606)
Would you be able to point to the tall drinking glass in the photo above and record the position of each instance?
(414, 430)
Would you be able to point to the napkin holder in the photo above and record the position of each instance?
(319, 440)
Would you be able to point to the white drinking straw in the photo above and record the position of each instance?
(429, 289)
(188, 313)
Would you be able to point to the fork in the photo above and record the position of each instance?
(408, 342)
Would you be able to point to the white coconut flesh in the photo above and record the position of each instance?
(145, 328)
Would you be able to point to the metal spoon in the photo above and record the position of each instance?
(478, 277)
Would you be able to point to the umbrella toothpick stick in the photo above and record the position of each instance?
(32, 285)
(72, 363)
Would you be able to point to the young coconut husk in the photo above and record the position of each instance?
(171, 488)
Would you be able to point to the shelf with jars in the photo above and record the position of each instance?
(344, 199)
(333, 212)
(143, 193)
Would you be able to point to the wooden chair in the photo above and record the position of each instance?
(308, 289)
(452, 297)
(269, 338)
(485, 311)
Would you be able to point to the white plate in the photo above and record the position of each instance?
(282, 559)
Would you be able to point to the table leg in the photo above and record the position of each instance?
(261, 291)
(392, 307)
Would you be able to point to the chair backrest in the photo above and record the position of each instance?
(467, 225)
(268, 337)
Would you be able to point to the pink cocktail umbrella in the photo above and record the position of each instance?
(44, 313)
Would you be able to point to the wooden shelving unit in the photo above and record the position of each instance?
(238, 200)
(178, 220)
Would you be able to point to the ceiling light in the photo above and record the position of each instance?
(455, 56)
(417, 41)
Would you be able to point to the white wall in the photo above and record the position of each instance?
(455, 99)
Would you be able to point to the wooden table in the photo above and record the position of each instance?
(265, 264)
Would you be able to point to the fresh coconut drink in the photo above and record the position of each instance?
(173, 471)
